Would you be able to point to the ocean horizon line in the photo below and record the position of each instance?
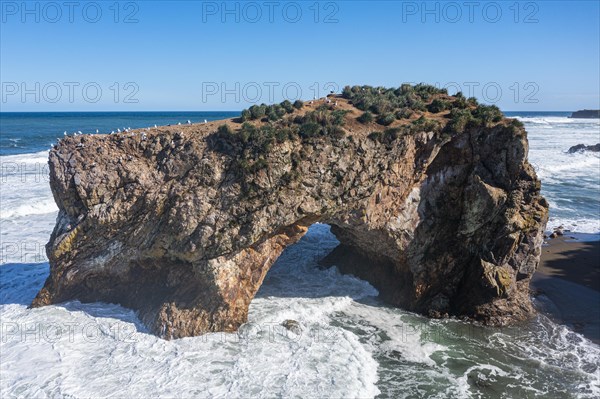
(240, 110)
(112, 112)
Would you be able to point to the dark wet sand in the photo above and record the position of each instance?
(567, 284)
(574, 261)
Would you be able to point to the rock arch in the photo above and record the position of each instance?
(174, 225)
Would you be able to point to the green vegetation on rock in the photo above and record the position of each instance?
(366, 117)
(405, 110)
(386, 119)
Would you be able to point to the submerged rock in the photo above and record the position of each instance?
(558, 232)
(583, 147)
(293, 326)
(182, 224)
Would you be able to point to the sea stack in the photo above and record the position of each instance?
(431, 196)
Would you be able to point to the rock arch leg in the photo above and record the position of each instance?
(177, 299)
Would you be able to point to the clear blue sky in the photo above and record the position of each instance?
(542, 55)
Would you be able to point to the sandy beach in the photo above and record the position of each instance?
(567, 283)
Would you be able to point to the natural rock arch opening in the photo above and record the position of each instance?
(301, 271)
(183, 224)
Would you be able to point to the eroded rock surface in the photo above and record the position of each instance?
(182, 223)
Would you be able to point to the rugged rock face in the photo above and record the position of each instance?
(182, 223)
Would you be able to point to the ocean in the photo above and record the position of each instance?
(350, 344)
(570, 182)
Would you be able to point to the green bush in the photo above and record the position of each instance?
(257, 111)
(416, 105)
(459, 120)
(337, 117)
(426, 91)
(390, 135)
(224, 130)
(281, 110)
(364, 103)
(257, 141)
(366, 117)
(425, 125)
(275, 112)
(309, 129)
(386, 119)
(375, 136)
(460, 102)
(284, 134)
(487, 114)
(381, 106)
(347, 92)
(287, 106)
(387, 136)
(406, 88)
(337, 132)
(272, 115)
(516, 123)
(404, 113)
(319, 116)
(298, 104)
(438, 105)
(246, 116)
(247, 131)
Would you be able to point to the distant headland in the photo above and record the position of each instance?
(586, 113)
